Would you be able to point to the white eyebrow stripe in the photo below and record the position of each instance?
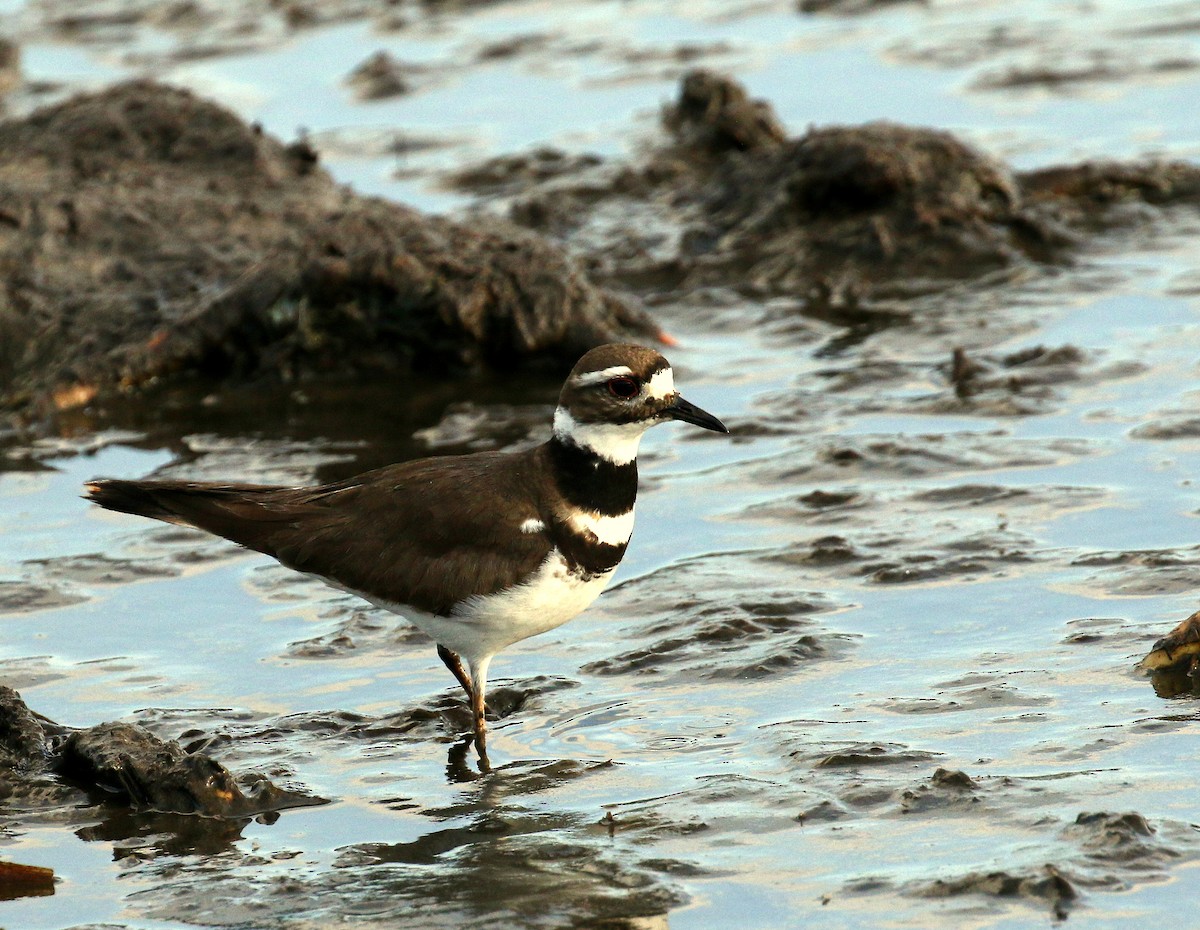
(532, 525)
(661, 385)
(595, 377)
(612, 531)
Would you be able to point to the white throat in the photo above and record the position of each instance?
(613, 442)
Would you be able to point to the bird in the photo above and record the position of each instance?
(478, 551)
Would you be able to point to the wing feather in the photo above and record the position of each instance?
(425, 533)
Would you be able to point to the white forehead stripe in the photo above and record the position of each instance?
(612, 531)
(661, 385)
(596, 377)
(613, 442)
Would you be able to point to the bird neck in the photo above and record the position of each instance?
(615, 443)
(595, 465)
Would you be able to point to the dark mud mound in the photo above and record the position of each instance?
(40, 760)
(842, 213)
(862, 203)
(145, 232)
(881, 202)
(131, 763)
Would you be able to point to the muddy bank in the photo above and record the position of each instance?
(146, 233)
(839, 215)
(47, 764)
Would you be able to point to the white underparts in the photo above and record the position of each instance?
(532, 525)
(612, 531)
(613, 442)
(483, 625)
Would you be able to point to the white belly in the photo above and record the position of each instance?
(484, 624)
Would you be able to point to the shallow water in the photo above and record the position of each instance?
(869, 582)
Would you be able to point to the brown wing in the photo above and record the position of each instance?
(425, 533)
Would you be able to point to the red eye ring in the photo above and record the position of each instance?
(623, 387)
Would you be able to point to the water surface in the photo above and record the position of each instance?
(747, 730)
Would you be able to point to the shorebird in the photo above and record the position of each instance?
(479, 551)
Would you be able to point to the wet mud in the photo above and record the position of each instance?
(875, 659)
(731, 624)
(1039, 55)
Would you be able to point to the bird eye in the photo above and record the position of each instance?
(623, 388)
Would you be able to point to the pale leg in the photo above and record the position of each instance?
(479, 678)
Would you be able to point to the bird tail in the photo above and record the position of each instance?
(245, 513)
(142, 498)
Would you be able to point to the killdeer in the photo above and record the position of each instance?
(478, 551)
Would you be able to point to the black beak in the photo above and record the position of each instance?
(690, 413)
